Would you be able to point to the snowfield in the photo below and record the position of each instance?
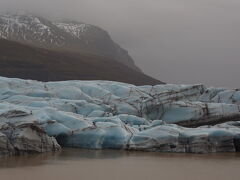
(38, 117)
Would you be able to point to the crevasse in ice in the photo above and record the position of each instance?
(104, 114)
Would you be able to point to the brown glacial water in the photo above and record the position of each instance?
(74, 164)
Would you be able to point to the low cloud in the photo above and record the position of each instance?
(177, 41)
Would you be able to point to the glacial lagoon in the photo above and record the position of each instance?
(72, 164)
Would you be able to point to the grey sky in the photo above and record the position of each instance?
(176, 41)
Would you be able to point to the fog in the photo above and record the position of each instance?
(176, 41)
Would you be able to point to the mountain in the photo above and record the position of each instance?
(62, 35)
(28, 62)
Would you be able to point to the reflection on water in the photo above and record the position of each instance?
(87, 164)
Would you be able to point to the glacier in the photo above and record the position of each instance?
(45, 116)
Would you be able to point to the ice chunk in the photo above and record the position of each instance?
(104, 114)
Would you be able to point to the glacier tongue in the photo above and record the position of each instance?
(104, 114)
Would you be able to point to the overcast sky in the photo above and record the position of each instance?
(176, 41)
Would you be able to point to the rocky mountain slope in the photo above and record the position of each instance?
(23, 61)
(113, 115)
(66, 35)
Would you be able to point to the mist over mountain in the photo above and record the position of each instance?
(172, 40)
(62, 35)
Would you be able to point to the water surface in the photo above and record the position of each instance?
(72, 164)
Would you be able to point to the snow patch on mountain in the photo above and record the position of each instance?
(19, 25)
(74, 29)
(67, 35)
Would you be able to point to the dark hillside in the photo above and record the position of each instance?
(23, 61)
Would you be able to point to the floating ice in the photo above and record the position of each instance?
(105, 114)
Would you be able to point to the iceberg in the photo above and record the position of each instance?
(21, 137)
(42, 116)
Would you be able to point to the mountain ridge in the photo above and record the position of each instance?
(62, 35)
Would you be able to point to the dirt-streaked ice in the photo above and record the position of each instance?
(114, 115)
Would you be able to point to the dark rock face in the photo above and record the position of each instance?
(237, 143)
(71, 36)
